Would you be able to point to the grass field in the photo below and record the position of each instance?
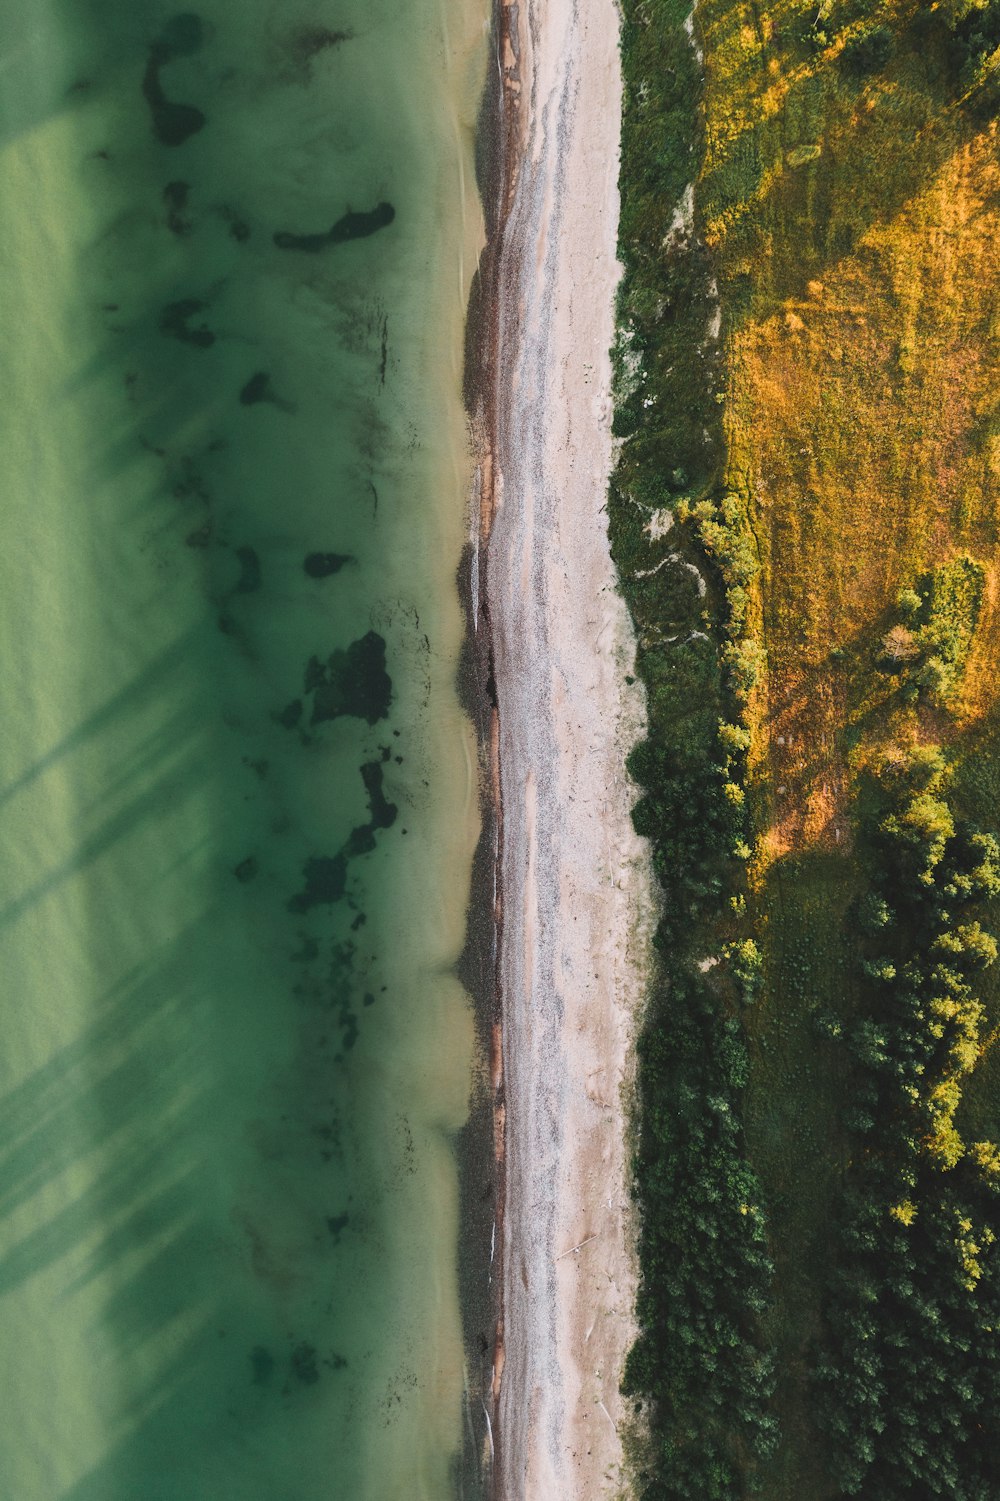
(811, 317)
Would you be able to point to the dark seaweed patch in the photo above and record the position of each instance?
(176, 195)
(238, 226)
(321, 565)
(383, 813)
(290, 714)
(182, 36)
(201, 537)
(308, 951)
(261, 1364)
(257, 388)
(173, 123)
(250, 577)
(303, 44)
(325, 878)
(353, 683)
(174, 322)
(246, 870)
(309, 41)
(175, 199)
(351, 226)
(360, 841)
(304, 1366)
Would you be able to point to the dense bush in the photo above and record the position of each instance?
(706, 1271)
(931, 644)
(967, 34)
(909, 1379)
(700, 1364)
(866, 51)
(975, 29)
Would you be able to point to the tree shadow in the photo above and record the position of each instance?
(175, 1133)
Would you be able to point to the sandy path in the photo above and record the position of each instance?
(575, 879)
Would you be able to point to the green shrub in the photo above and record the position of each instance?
(908, 1381)
(701, 1360)
(866, 52)
(941, 616)
(747, 966)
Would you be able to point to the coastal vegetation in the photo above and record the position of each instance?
(908, 1377)
(803, 515)
(702, 1360)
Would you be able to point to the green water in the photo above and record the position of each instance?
(233, 1053)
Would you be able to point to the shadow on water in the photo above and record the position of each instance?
(136, 695)
(126, 1149)
(124, 1094)
(188, 770)
(111, 1142)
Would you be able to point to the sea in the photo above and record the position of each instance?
(238, 788)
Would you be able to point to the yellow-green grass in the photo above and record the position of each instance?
(854, 226)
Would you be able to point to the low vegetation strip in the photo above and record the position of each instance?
(701, 1368)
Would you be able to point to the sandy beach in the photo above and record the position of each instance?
(575, 882)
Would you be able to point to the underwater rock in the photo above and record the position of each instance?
(173, 123)
(290, 714)
(322, 565)
(257, 388)
(353, 683)
(325, 879)
(174, 322)
(351, 226)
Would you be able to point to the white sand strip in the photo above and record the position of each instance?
(576, 879)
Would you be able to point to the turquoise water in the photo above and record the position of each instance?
(238, 792)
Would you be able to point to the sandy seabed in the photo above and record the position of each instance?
(229, 1198)
(575, 878)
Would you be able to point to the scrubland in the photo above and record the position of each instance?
(804, 516)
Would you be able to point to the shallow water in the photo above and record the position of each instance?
(238, 791)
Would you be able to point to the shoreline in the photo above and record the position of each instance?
(555, 725)
(497, 163)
